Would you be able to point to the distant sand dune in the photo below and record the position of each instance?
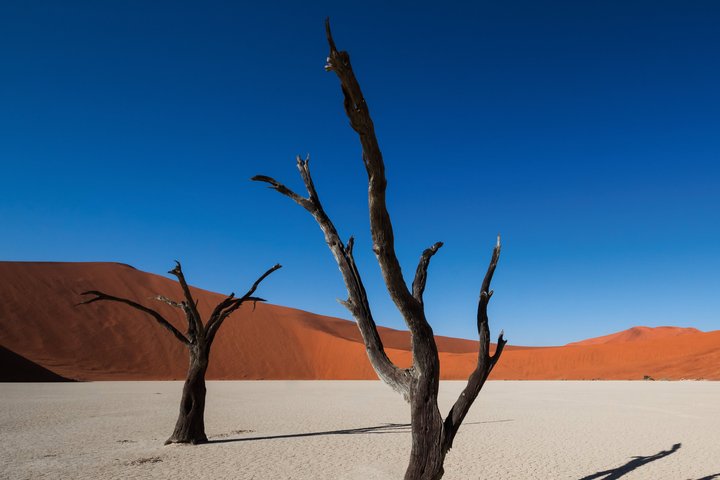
(104, 341)
(636, 334)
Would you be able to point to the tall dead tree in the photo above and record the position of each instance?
(190, 425)
(432, 436)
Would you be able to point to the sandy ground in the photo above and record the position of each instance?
(358, 430)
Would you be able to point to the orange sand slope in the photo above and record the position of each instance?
(638, 333)
(109, 341)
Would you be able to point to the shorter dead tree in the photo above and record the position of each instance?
(190, 426)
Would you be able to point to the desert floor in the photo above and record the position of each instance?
(359, 430)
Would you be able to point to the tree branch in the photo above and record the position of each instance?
(279, 187)
(485, 362)
(186, 310)
(169, 301)
(230, 304)
(254, 287)
(99, 296)
(358, 113)
(195, 325)
(220, 307)
(357, 302)
(418, 285)
(485, 292)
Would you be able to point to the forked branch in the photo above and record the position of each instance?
(159, 318)
(485, 362)
(195, 325)
(230, 304)
(279, 187)
(186, 310)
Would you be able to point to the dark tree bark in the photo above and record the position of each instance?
(190, 425)
(432, 436)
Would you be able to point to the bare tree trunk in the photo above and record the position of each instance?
(432, 437)
(190, 426)
(426, 455)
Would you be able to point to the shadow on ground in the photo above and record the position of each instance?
(636, 462)
(384, 428)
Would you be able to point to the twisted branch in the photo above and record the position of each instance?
(418, 286)
(358, 113)
(159, 318)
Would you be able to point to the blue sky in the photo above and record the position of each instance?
(587, 133)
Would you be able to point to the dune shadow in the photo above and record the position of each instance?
(378, 429)
(710, 477)
(636, 462)
(16, 368)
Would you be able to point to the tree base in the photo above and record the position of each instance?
(191, 441)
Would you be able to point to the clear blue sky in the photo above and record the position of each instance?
(587, 133)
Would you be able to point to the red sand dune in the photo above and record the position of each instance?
(109, 341)
(638, 333)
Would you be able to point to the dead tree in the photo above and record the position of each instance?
(432, 436)
(190, 425)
